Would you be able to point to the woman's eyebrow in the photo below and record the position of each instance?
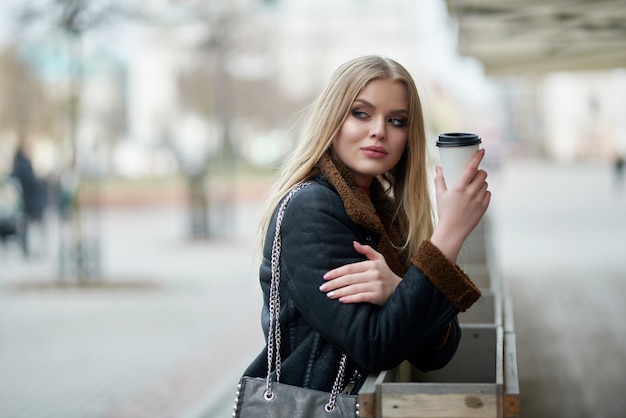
(394, 112)
(365, 102)
(399, 112)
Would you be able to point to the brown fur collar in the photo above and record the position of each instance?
(365, 212)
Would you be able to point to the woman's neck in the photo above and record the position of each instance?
(366, 189)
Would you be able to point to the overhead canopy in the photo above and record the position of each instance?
(524, 36)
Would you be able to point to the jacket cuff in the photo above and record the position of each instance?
(446, 276)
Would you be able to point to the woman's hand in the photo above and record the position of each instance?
(364, 281)
(460, 207)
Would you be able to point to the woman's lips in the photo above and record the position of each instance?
(374, 152)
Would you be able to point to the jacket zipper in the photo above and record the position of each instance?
(356, 376)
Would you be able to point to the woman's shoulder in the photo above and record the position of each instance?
(316, 188)
(318, 194)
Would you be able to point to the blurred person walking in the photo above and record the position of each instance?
(618, 169)
(366, 278)
(33, 195)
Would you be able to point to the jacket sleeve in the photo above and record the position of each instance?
(435, 356)
(317, 236)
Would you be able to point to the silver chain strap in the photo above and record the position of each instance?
(330, 406)
(274, 337)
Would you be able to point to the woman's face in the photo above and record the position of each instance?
(372, 139)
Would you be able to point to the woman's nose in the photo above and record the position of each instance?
(378, 128)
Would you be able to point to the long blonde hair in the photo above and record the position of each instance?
(407, 181)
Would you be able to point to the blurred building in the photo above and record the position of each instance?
(265, 60)
(188, 81)
(584, 115)
(561, 65)
(192, 83)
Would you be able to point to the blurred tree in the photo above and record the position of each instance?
(222, 24)
(72, 19)
(223, 31)
(25, 104)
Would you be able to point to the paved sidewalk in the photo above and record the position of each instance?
(168, 337)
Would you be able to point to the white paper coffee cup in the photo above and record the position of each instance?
(456, 149)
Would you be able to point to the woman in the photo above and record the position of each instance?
(363, 270)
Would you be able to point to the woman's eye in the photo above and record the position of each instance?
(397, 122)
(359, 114)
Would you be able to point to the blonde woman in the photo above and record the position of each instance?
(364, 272)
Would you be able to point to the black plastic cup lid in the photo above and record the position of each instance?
(457, 139)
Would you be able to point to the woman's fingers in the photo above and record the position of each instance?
(351, 290)
(333, 283)
(366, 250)
(440, 184)
(472, 170)
(370, 297)
(346, 270)
(359, 292)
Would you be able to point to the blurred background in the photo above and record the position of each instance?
(148, 133)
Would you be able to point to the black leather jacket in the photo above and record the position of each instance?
(418, 322)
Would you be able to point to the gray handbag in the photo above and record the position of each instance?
(264, 398)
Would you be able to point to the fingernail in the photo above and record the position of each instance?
(330, 294)
(323, 287)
